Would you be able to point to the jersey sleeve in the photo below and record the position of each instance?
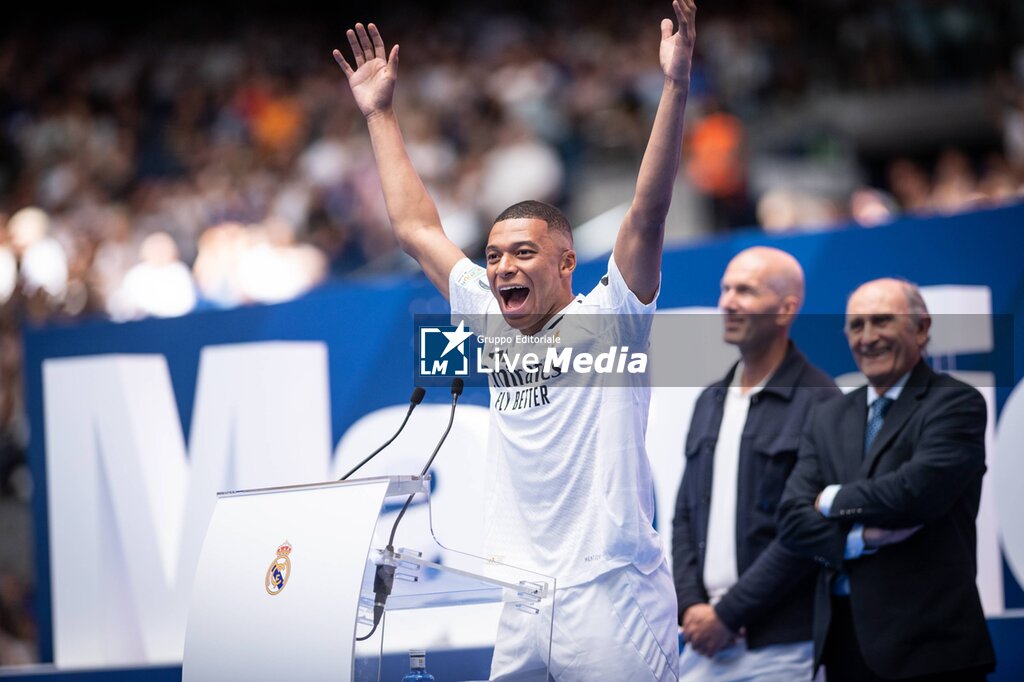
(616, 296)
(468, 290)
(631, 319)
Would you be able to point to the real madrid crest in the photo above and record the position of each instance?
(280, 570)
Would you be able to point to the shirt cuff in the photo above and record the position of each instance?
(828, 495)
(855, 542)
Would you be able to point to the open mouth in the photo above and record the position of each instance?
(514, 296)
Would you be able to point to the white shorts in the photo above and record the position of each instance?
(619, 626)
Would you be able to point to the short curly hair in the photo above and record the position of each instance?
(539, 210)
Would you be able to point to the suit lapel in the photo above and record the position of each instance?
(851, 441)
(899, 413)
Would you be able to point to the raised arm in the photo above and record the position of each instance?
(412, 212)
(639, 243)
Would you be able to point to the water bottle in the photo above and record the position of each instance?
(418, 667)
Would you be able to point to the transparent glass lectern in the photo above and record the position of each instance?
(285, 584)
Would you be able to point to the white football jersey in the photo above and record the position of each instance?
(568, 479)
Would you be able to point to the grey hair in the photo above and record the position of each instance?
(918, 309)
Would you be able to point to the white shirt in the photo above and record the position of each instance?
(570, 489)
(720, 570)
(893, 392)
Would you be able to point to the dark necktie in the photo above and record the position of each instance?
(876, 415)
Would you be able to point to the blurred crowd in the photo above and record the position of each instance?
(173, 167)
(195, 160)
(952, 184)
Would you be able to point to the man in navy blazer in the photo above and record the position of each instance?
(884, 498)
(745, 603)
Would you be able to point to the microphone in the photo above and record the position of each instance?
(384, 578)
(415, 399)
(457, 386)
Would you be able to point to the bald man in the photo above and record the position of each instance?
(745, 603)
(884, 497)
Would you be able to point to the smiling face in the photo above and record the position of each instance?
(886, 339)
(761, 292)
(529, 268)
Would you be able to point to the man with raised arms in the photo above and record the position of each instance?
(571, 492)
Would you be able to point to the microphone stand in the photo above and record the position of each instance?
(384, 578)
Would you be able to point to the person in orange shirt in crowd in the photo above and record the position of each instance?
(715, 165)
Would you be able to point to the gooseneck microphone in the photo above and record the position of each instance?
(456, 392)
(457, 386)
(384, 578)
(414, 400)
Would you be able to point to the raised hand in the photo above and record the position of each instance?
(373, 80)
(677, 48)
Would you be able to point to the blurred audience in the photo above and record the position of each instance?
(152, 171)
(952, 185)
(159, 285)
(716, 166)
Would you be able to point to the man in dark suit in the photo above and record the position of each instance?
(745, 603)
(884, 497)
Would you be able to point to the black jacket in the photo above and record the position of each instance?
(915, 604)
(773, 598)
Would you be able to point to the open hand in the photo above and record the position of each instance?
(677, 48)
(373, 80)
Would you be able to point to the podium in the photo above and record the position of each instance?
(285, 583)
